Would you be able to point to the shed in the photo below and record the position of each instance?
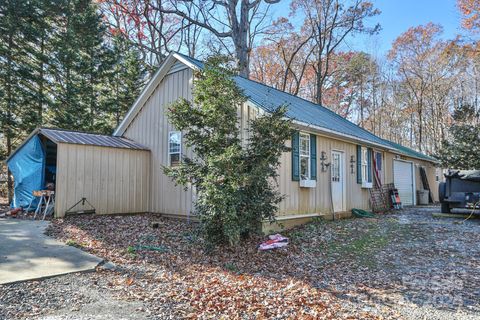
(112, 173)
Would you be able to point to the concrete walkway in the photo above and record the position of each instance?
(26, 253)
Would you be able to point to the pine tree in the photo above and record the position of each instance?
(82, 65)
(18, 35)
(43, 70)
(461, 149)
(126, 78)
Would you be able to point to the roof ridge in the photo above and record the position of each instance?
(317, 105)
(74, 131)
(371, 136)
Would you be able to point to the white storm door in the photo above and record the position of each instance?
(403, 180)
(338, 181)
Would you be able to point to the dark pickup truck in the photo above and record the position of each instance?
(461, 189)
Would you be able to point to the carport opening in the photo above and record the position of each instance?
(34, 168)
(50, 149)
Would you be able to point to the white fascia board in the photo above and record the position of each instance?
(335, 134)
(185, 61)
(342, 136)
(349, 138)
(146, 93)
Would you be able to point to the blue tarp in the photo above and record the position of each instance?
(28, 169)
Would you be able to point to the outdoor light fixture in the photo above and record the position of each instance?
(352, 164)
(323, 158)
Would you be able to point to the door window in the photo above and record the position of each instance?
(335, 167)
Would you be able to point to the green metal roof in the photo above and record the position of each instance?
(269, 98)
(410, 152)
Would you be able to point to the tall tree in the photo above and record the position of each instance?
(18, 34)
(283, 61)
(460, 150)
(238, 21)
(126, 78)
(417, 53)
(145, 24)
(82, 64)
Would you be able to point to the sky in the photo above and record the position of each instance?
(396, 17)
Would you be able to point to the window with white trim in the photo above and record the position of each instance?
(304, 156)
(174, 148)
(364, 165)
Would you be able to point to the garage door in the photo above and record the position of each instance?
(403, 179)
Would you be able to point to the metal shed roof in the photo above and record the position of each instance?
(82, 138)
(93, 139)
(307, 112)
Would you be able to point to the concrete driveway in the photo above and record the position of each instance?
(26, 253)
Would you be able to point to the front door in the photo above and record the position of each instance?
(338, 181)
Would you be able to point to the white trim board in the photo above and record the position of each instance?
(165, 69)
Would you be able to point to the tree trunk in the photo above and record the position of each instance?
(361, 103)
(319, 80)
(420, 129)
(9, 174)
(10, 104)
(240, 36)
(41, 83)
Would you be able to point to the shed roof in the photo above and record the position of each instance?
(93, 139)
(82, 138)
(269, 98)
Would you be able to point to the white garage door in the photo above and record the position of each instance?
(403, 179)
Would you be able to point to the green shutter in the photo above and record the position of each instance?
(369, 164)
(359, 164)
(296, 156)
(313, 156)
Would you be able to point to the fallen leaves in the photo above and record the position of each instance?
(340, 270)
(129, 281)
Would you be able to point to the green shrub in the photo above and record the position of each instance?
(235, 182)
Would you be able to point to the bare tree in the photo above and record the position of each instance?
(153, 31)
(331, 22)
(238, 21)
(283, 58)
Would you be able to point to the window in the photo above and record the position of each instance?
(174, 148)
(335, 167)
(364, 164)
(304, 156)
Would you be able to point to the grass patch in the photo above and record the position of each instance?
(72, 243)
(361, 247)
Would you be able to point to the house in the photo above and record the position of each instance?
(333, 162)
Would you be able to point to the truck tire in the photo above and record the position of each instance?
(445, 207)
(442, 186)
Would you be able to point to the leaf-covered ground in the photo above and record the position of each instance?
(404, 265)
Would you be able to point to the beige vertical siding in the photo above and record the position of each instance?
(429, 168)
(317, 200)
(113, 180)
(150, 128)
